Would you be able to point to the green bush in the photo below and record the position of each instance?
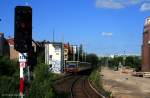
(9, 86)
(7, 67)
(9, 78)
(95, 79)
(41, 86)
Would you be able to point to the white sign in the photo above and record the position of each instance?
(22, 57)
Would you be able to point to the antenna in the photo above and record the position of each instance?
(53, 34)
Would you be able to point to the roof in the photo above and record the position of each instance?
(1, 33)
(10, 41)
(66, 46)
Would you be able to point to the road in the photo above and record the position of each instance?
(124, 85)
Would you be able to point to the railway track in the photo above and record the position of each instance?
(81, 89)
(77, 86)
(64, 84)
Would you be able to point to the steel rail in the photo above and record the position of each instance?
(72, 87)
(95, 90)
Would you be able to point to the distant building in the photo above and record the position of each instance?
(54, 56)
(146, 46)
(13, 54)
(8, 48)
(40, 47)
(66, 49)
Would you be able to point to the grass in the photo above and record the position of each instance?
(96, 81)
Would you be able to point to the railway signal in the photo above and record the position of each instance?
(23, 28)
(23, 41)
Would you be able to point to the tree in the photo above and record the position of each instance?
(81, 52)
(133, 61)
(41, 86)
(93, 59)
(70, 52)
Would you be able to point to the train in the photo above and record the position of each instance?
(76, 66)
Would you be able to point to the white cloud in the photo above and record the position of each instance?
(116, 4)
(145, 7)
(108, 4)
(106, 34)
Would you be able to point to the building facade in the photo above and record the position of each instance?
(13, 54)
(66, 48)
(146, 47)
(54, 56)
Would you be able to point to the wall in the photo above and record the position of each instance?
(53, 56)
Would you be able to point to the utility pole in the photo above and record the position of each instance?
(63, 61)
(78, 55)
(62, 37)
(82, 56)
(53, 35)
(85, 56)
(73, 46)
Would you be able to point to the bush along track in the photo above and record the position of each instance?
(40, 85)
(96, 82)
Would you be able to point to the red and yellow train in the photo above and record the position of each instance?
(76, 66)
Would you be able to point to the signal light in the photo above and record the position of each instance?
(23, 29)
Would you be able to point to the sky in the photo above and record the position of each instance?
(103, 27)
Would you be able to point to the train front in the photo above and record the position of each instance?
(71, 67)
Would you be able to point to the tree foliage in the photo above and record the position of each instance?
(81, 52)
(41, 86)
(133, 61)
(9, 78)
(130, 61)
(7, 67)
(93, 59)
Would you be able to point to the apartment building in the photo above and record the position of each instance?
(146, 46)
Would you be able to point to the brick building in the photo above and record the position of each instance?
(13, 54)
(7, 47)
(146, 46)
